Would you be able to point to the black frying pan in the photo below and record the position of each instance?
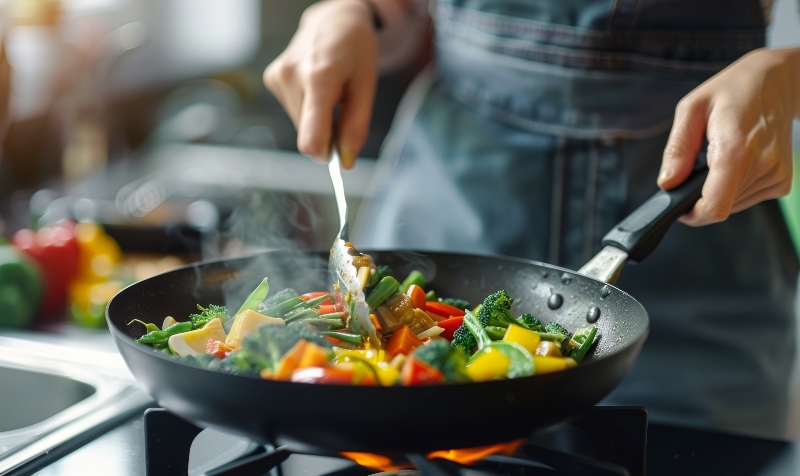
(404, 419)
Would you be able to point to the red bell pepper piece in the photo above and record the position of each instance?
(56, 251)
(217, 348)
(417, 372)
(442, 309)
(450, 325)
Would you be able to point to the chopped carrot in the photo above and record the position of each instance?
(314, 356)
(375, 321)
(290, 361)
(327, 309)
(403, 341)
(417, 295)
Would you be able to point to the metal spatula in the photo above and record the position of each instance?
(341, 271)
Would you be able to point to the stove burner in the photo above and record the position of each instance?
(606, 441)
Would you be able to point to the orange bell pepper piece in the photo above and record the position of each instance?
(403, 341)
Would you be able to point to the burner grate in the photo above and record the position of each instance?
(606, 441)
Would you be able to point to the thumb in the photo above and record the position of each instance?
(685, 140)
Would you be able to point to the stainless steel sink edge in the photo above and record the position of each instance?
(116, 395)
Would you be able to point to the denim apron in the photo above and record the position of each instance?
(541, 125)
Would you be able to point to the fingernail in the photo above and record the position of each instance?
(347, 157)
(665, 174)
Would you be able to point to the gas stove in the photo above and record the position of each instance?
(629, 444)
(605, 441)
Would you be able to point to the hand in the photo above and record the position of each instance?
(331, 59)
(745, 112)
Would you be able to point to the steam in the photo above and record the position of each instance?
(287, 238)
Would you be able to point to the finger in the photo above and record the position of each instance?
(279, 80)
(354, 117)
(685, 139)
(316, 122)
(762, 195)
(716, 202)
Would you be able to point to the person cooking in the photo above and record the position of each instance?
(539, 125)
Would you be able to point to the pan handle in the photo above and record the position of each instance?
(641, 232)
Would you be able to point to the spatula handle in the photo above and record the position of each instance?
(641, 232)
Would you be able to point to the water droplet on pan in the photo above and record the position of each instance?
(566, 278)
(555, 301)
(593, 315)
(605, 290)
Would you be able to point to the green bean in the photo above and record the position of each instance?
(149, 326)
(329, 324)
(280, 309)
(332, 315)
(382, 291)
(156, 337)
(300, 314)
(414, 277)
(344, 337)
(316, 301)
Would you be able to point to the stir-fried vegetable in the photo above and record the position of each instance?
(422, 339)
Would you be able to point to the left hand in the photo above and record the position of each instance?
(745, 112)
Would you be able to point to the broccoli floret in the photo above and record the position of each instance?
(496, 310)
(556, 328)
(266, 346)
(451, 361)
(527, 320)
(557, 333)
(206, 314)
(457, 303)
(464, 340)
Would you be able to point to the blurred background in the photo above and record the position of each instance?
(139, 136)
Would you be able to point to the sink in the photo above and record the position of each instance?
(52, 394)
(32, 397)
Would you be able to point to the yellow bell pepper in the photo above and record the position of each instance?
(387, 374)
(89, 300)
(546, 365)
(526, 338)
(100, 255)
(488, 364)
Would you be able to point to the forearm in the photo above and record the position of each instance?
(403, 31)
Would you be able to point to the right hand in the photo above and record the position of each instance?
(332, 59)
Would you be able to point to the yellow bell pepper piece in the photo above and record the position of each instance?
(488, 364)
(194, 342)
(546, 365)
(246, 323)
(526, 338)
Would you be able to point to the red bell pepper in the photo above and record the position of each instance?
(417, 372)
(56, 250)
(442, 309)
(450, 325)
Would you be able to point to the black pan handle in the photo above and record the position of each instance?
(641, 232)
